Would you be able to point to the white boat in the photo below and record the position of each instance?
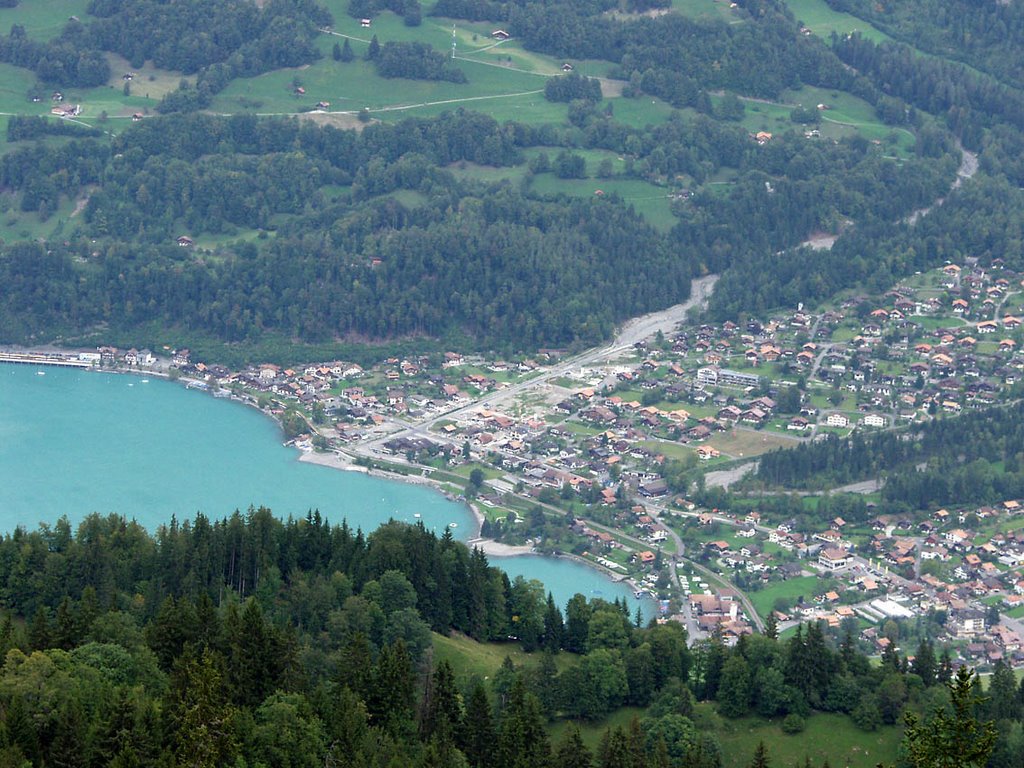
(453, 525)
(40, 373)
(145, 381)
(417, 515)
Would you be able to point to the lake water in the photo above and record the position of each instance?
(74, 442)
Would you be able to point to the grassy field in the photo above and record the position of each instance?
(706, 9)
(43, 20)
(669, 450)
(16, 224)
(743, 443)
(817, 16)
(847, 115)
(764, 599)
(592, 732)
(829, 736)
(651, 201)
(486, 173)
(471, 659)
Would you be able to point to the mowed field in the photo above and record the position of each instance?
(822, 20)
(791, 589)
(744, 443)
(43, 19)
(827, 736)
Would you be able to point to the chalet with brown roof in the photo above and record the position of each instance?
(832, 558)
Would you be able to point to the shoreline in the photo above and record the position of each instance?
(339, 460)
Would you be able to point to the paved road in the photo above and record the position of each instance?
(631, 332)
(655, 511)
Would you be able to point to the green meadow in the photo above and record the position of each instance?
(822, 20)
(650, 201)
(706, 9)
(43, 19)
(791, 589)
(827, 736)
(16, 224)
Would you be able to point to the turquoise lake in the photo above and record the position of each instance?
(74, 442)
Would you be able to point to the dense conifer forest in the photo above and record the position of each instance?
(363, 261)
(560, 271)
(256, 641)
(947, 461)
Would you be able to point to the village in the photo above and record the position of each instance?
(597, 455)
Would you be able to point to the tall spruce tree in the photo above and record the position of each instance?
(760, 759)
(572, 752)
(957, 739)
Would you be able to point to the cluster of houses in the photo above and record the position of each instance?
(882, 565)
(947, 341)
(720, 612)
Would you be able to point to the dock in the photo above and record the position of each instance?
(39, 359)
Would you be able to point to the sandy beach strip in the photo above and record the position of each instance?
(490, 547)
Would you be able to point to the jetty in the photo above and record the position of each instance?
(41, 359)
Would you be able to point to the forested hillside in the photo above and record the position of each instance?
(988, 36)
(377, 235)
(948, 461)
(293, 229)
(507, 267)
(260, 642)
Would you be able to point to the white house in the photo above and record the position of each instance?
(873, 420)
(833, 558)
(837, 420)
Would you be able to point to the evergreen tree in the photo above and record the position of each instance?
(336, 51)
(255, 662)
(1003, 703)
(760, 759)
(734, 690)
(522, 740)
(39, 631)
(956, 739)
(390, 699)
(346, 52)
(944, 674)
(355, 671)
(374, 50)
(924, 663)
(572, 752)
(65, 634)
(204, 731)
(547, 684)
(771, 626)
(714, 660)
(478, 735)
(577, 624)
(613, 751)
(441, 716)
(554, 627)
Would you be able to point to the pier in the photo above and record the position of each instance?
(38, 359)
